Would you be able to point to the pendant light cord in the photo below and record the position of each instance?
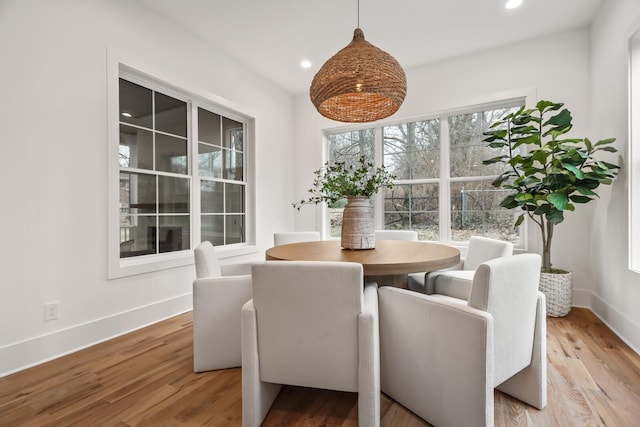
(358, 13)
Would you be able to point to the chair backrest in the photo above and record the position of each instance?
(483, 249)
(396, 235)
(284, 238)
(307, 322)
(206, 260)
(507, 288)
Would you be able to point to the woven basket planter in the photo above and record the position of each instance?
(358, 231)
(558, 289)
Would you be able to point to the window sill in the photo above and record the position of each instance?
(154, 263)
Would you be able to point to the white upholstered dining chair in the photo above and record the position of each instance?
(310, 324)
(219, 292)
(446, 369)
(411, 235)
(286, 237)
(457, 280)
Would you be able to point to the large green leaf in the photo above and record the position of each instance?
(577, 172)
(555, 216)
(496, 144)
(610, 165)
(604, 142)
(519, 221)
(531, 179)
(559, 123)
(501, 179)
(588, 182)
(544, 209)
(540, 156)
(584, 190)
(523, 116)
(516, 159)
(495, 125)
(509, 202)
(559, 200)
(587, 143)
(523, 197)
(580, 199)
(529, 140)
(555, 181)
(543, 105)
(597, 177)
(563, 118)
(609, 149)
(532, 171)
(495, 160)
(496, 134)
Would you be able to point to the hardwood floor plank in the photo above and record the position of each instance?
(146, 378)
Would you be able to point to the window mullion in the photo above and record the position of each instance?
(379, 197)
(444, 184)
(155, 171)
(194, 172)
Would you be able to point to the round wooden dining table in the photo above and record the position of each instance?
(395, 258)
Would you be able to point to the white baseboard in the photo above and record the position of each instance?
(18, 356)
(21, 355)
(625, 329)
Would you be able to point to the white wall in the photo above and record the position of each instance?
(615, 296)
(554, 68)
(53, 136)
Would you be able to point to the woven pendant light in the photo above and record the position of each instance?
(360, 83)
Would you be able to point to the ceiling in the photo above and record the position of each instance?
(272, 37)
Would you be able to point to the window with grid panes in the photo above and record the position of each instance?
(157, 188)
(154, 172)
(442, 189)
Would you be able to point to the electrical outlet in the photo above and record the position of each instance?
(51, 311)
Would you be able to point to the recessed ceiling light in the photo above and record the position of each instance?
(125, 114)
(512, 4)
(305, 64)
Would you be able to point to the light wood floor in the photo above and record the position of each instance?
(146, 378)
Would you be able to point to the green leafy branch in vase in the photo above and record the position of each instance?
(335, 181)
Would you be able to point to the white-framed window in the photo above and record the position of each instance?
(177, 175)
(442, 190)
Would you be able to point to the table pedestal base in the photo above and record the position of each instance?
(396, 280)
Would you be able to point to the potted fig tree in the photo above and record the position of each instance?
(548, 174)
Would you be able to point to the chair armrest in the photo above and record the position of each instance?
(236, 269)
(216, 319)
(519, 385)
(257, 396)
(425, 282)
(370, 299)
(369, 358)
(217, 293)
(434, 353)
(453, 283)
